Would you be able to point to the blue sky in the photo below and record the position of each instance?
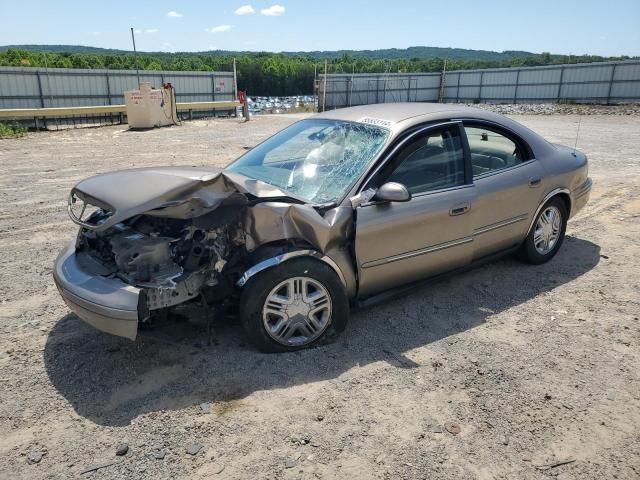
(576, 27)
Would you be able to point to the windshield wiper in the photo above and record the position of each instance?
(279, 198)
(323, 208)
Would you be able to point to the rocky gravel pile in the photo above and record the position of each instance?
(559, 109)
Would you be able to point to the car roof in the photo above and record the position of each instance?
(393, 112)
(397, 117)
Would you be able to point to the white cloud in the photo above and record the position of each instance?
(174, 14)
(273, 11)
(151, 30)
(167, 47)
(219, 28)
(137, 31)
(245, 10)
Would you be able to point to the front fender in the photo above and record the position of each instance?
(283, 257)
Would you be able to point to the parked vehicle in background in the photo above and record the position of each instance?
(275, 105)
(332, 211)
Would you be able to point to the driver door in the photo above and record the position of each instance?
(398, 243)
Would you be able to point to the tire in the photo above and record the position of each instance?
(309, 319)
(537, 255)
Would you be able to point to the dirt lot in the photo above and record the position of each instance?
(508, 371)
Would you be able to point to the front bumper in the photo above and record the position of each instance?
(108, 304)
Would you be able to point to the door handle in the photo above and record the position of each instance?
(459, 209)
(534, 182)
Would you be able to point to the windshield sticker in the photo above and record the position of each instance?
(376, 121)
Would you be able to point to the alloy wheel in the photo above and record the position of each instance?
(547, 230)
(297, 311)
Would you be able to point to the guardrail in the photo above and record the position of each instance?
(60, 113)
(12, 113)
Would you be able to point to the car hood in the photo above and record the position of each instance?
(174, 192)
(188, 192)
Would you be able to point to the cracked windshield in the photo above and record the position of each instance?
(315, 160)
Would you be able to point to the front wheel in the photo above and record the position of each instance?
(547, 234)
(295, 305)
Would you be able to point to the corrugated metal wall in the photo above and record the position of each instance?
(606, 82)
(24, 87)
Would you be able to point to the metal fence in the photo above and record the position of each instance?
(605, 82)
(24, 87)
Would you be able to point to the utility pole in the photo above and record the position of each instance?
(316, 87)
(442, 78)
(135, 53)
(235, 80)
(324, 88)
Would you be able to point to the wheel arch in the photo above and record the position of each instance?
(566, 198)
(563, 193)
(272, 255)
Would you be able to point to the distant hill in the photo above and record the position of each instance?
(387, 53)
(418, 52)
(64, 48)
(284, 73)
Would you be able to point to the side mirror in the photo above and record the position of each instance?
(392, 192)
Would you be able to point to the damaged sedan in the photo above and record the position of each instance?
(334, 211)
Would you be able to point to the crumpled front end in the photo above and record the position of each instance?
(167, 261)
(188, 238)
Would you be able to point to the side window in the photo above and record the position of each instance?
(491, 150)
(431, 161)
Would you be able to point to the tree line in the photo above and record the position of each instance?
(275, 73)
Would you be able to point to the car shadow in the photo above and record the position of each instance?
(111, 381)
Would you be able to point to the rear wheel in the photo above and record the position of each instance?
(295, 305)
(547, 234)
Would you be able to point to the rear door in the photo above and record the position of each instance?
(507, 180)
(397, 243)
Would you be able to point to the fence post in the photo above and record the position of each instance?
(560, 85)
(42, 98)
(613, 73)
(235, 81)
(443, 76)
(515, 91)
(480, 89)
(40, 90)
(384, 92)
(108, 87)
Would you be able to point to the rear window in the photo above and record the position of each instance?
(492, 150)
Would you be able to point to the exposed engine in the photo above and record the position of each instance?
(172, 260)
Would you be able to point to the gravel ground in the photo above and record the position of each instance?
(560, 109)
(507, 371)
